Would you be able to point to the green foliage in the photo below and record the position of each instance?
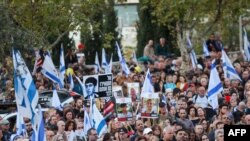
(149, 27)
(203, 16)
(46, 24)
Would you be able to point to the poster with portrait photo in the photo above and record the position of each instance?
(124, 110)
(134, 91)
(117, 91)
(97, 86)
(150, 103)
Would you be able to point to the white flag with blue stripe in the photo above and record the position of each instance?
(109, 70)
(246, 46)
(205, 50)
(104, 61)
(86, 122)
(214, 86)
(56, 101)
(147, 85)
(62, 66)
(97, 64)
(38, 133)
(71, 82)
(134, 59)
(49, 70)
(41, 131)
(192, 53)
(82, 85)
(25, 88)
(97, 120)
(229, 71)
(124, 66)
(20, 126)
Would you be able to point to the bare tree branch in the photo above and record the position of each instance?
(58, 39)
(217, 17)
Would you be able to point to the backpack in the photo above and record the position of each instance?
(196, 96)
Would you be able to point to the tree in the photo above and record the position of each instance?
(148, 27)
(183, 17)
(46, 23)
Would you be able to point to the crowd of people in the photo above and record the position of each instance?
(185, 113)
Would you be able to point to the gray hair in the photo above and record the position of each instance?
(218, 131)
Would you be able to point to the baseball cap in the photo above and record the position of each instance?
(4, 122)
(123, 130)
(146, 131)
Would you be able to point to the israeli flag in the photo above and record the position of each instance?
(71, 82)
(49, 70)
(205, 50)
(21, 130)
(134, 59)
(246, 46)
(229, 71)
(82, 85)
(214, 86)
(109, 68)
(38, 131)
(56, 101)
(104, 61)
(41, 132)
(124, 66)
(97, 64)
(25, 89)
(147, 85)
(97, 120)
(86, 122)
(192, 53)
(62, 66)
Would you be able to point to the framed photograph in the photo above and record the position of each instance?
(117, 91)
(150, 104)
(124, 109)
(134, 91)
(98, 86)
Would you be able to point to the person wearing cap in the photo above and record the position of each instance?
(147, 132)
(90, 84)
(124, 111)
(123, 134)
(5, 126)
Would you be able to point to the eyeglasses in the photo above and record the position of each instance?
(94, 134)
(79, 127)
(221, 136)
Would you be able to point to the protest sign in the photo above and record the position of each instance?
(117, 91)
(98, 86)
(134, 91)
(150, 103)
(124, 109)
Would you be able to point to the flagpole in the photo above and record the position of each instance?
(240, 33)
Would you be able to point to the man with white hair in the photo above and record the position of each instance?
(219, 135)
(168, 133)
(61, 134)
